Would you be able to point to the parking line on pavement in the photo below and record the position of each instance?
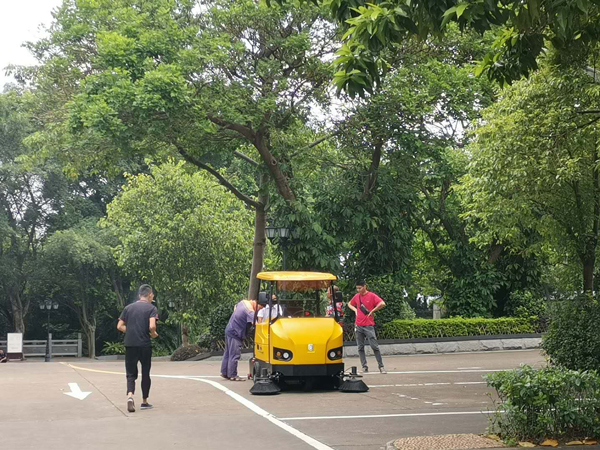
(123, 373)
(379, 416)
(237, 397)
(270, 417)
(408, 372)
(426, 384)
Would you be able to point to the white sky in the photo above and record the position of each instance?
(20, 22)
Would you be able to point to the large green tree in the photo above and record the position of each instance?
(28, 202)
(75, 268)
(523, 31)
(534, 168)
(184, 234)
(201, 81)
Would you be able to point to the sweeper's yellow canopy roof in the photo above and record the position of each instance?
(298, 281)
(296, 276)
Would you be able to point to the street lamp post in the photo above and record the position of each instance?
(48, 305)
(281, 233)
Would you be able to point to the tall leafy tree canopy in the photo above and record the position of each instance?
(535, 167)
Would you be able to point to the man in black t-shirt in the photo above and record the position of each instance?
(138, 322)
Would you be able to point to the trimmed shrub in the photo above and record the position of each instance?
(425, 328)
(573, 338)
(187, 352)
(552, 402)
(525, 304)
(113, 348)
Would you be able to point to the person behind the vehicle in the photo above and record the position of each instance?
(138, 322)
(235, 332)
(3, 357)
(365, 304)
(339, 305)
(275, 311)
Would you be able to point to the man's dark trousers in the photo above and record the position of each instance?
(132, 356)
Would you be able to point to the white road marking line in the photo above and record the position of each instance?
(247, 403)
(111, 372)
(441, 371)
(270, 417)
(378, 416)
(425, 384)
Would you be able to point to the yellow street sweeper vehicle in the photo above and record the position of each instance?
(295, 341)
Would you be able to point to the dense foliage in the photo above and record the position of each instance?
(573, 340)
(182, 233)
(547, 403)
(185, 127)
(423, 328)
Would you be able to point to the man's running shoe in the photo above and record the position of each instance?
(145, 406)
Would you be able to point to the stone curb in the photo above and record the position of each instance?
(475, 345)
(390, 446)
(427, 346)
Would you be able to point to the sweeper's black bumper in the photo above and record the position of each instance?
(311, 370)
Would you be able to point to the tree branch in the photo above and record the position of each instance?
(222, 180)
(245, 131)
(245, 158)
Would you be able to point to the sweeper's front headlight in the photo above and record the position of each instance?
(335, 353)
(281, 354)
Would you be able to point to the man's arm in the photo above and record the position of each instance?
(121, 326)
(352, 307)
(380, 305)
(153, 333)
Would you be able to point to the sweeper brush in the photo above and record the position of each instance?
(353, 382)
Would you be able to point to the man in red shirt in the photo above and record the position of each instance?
(364, 304)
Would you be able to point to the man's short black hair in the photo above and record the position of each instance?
(361, 283)
(263, 300)
(144, 291)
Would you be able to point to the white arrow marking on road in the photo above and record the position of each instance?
(76, 392)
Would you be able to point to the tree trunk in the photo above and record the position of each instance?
(90, 332)
(589, 257)
(588, 275)
(16, 308)
(261, 144)
(371, 181)
(260, 240)
(185, 336)
(118, 289)
(18, 321)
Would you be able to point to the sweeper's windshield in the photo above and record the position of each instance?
(300, 294)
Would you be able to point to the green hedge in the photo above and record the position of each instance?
(426, 328)
(549, 403)
(573, 338)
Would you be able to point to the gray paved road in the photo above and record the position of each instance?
(194, 408)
